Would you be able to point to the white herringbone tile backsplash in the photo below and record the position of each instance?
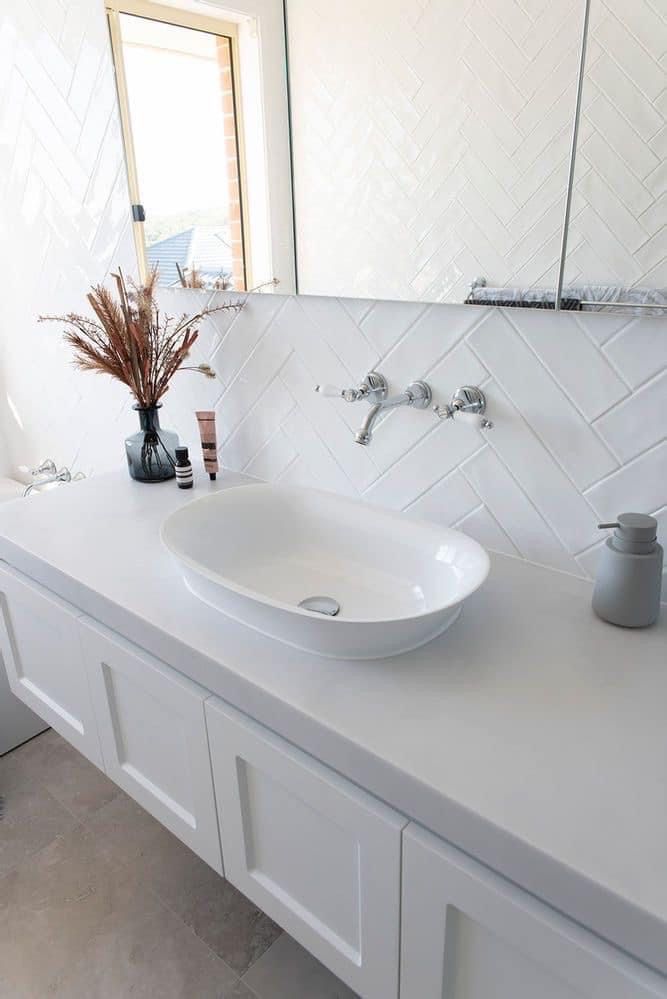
(579, 401)
(579, 404)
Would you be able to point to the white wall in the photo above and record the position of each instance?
(578, 400)
(64, 216)
(65, 221)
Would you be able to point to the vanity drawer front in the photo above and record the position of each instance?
(153, 735)
(316, 853)
(42, 653)
(467, 933)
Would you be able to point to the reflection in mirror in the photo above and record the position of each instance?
(617, 239)
(431, 146)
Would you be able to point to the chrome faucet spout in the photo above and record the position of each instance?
(365, 431)
(373, 390)
(417, 394)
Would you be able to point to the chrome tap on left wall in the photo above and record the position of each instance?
(47, 472)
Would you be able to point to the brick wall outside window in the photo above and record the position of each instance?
(224, 54)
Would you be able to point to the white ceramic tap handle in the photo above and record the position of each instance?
(349, 394)
(330, 391)
(473, 420)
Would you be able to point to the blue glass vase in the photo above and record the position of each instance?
(151, 452)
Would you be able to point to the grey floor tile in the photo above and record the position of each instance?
(128, 835)
(240, 991)
(14, 771)
(147, 956)
(230, 924)
(53, 905)
(32, 818)
(287, 971)
(235, 929)
(67, 775)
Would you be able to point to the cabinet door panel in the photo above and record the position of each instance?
(467, 933)
(42, 655)
(153, 734)
(312, 850)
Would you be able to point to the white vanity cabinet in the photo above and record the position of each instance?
(153, 734)
(318, 854)
(40, 645)
(355, 882)
(467, 933)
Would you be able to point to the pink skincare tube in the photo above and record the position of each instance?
(209, 443)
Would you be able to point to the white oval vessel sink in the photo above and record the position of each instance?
(257, 552)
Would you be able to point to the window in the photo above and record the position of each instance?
(176, 80)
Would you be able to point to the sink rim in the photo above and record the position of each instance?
(479, 573)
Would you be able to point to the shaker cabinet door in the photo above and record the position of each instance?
(467, 933)
(311, 849)
(153, 734)
(40, 646)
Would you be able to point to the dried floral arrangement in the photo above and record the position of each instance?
(131, 340)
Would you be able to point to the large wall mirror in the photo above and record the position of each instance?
(431, 144)
(504, 152)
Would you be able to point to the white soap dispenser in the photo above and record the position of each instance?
(629, 576)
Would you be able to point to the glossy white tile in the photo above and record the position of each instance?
(636, 424)
(541, 401)
(575, 362)
(639, 351)
(484, 528)
(538, 473)
(638, 486)
(511, 508)
(446, 502)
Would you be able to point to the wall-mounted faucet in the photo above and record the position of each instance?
(375, 390)
(468, 402)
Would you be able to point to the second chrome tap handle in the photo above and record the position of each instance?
(333, 392)
(468, 405)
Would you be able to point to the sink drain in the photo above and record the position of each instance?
(321, 605)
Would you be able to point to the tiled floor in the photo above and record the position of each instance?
(99, 901)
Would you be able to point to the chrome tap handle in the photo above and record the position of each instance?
(47, 467)
(373, 388)
(468, 404)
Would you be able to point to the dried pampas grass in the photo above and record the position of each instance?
(131, 340)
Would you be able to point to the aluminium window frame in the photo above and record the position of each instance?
(180, 17)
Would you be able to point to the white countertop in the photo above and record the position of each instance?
(530, 734)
